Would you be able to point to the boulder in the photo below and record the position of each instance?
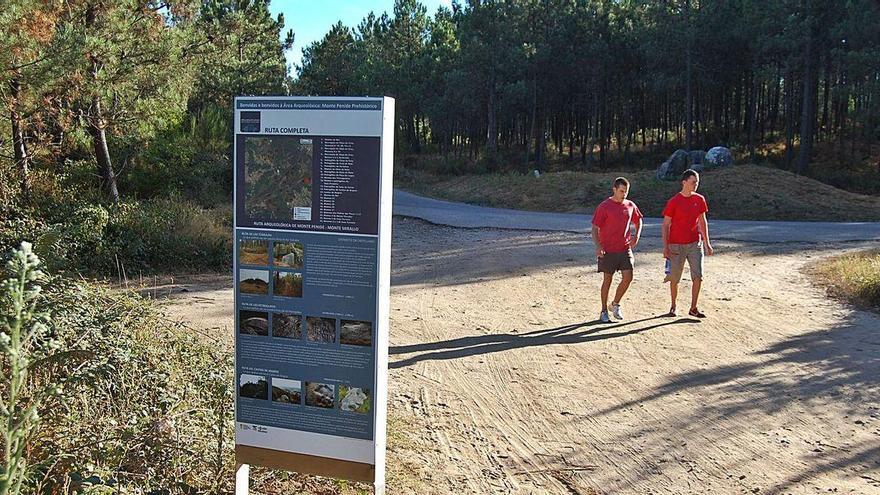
(718, 156)
(320, 395)
(662, 170)
(697, 157)
(679, 161)
(354, 400)
(256, 326)
(672, 168)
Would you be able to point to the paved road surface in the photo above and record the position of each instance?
(470, 216)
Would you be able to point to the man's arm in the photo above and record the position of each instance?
(667, 223)
(703, 225)
(638, 226)
(595, 235)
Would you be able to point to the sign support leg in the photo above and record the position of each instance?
(242, 478)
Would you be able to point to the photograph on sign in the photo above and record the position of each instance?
(286, 326)
(288, 254)
(252, 386)
(286, 391)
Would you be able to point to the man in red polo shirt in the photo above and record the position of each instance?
(614, 243)
(685, 236)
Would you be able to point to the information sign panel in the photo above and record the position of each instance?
(312, 266)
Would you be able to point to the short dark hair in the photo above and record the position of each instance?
(687, 174)
(620, 181)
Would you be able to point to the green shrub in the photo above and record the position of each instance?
(146, 406)
(166, 234)
(190, 159)
(132, 237)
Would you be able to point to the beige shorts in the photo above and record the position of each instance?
(678, 253)
(616, 262)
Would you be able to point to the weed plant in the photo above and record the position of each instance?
(106, 395)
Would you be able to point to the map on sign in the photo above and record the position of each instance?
(278, 176)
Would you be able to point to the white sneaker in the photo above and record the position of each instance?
(615, 310)
(603, 317)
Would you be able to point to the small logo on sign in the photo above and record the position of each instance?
(249, 121)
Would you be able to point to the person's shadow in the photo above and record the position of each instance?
(577, 333)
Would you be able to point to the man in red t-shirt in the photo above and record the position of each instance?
(614, 243)
(685, 236)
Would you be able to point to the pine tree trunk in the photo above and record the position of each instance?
(572, 132)
(19, 147)
(789, 117)
(540, 139)
(689, 132)
(826, 95)
(532, 122)
(492, 128)
(102, 152)
(774, 103)
(808, 107)
(753, 121)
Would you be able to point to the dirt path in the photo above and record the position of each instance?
(503, 382)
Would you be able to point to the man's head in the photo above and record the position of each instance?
(619, 189)
(690, 180)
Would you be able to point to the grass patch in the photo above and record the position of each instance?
(853, 277)
(146, 407)
(853, 168)
(743, 192)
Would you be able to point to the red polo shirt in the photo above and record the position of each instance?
(613, 220)
(684, 212)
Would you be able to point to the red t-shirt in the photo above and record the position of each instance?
(613, 220)
(684, 212)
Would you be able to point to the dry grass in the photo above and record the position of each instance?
(855, 169)
(253, 252)
(743, 192)
(252, 286)
(253, 258)
(288, 284)
(854, 277)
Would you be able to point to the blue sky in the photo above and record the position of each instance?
(311, 19)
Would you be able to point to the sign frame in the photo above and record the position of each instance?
(358, 110)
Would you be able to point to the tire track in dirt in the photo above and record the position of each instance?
(671, 436)
(505, 384)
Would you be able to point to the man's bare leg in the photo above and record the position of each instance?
(624, 285)
(673, 294)
(695, 292)
(606, 288)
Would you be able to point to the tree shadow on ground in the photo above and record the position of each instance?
(423, 253)
(463, 256)
(577, 333)
(801, 375)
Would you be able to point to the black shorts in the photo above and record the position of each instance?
(616, 262)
